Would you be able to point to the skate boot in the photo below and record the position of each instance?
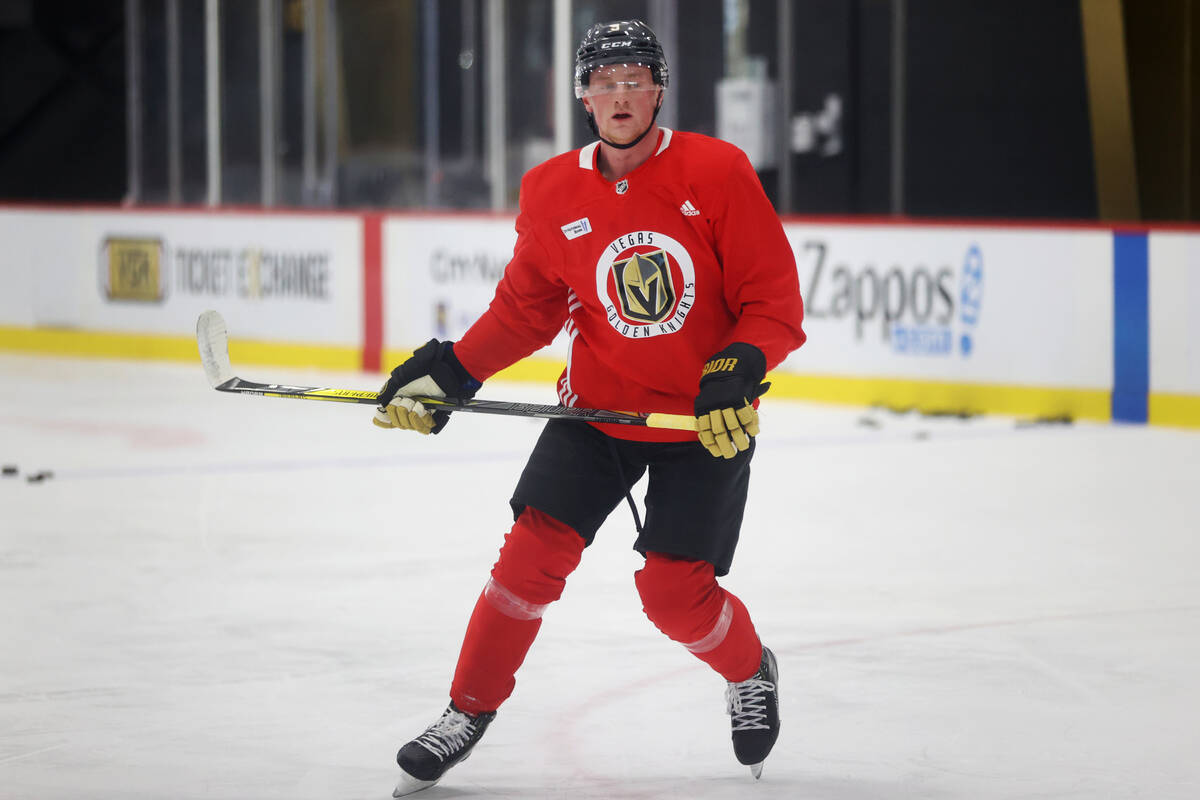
(753, 706)
(446, 742)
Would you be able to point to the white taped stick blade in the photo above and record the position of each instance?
(212, 338)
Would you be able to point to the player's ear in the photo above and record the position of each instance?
(587, 105)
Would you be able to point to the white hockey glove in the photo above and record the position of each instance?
(432, 371)
(407, 414)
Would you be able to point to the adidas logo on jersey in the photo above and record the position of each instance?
(688, 209)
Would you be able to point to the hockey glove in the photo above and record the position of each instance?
(725, 418)
(433, 371)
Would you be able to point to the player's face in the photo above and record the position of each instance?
(622, 97)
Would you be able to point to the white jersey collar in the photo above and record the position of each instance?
(666, 140)
(587, 155)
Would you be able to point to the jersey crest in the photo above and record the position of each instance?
(646, 282)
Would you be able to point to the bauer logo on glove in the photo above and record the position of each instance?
(719, 365)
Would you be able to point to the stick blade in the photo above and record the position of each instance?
(212, 337)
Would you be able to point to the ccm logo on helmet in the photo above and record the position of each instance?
(611, 45)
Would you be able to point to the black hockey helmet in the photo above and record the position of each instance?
(624, 42)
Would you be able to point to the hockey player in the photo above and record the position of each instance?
(659, 254)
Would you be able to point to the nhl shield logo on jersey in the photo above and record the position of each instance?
(647, 284)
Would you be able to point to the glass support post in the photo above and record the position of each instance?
(133, 101)
(212, 94)
(497, 136)
(174, 108)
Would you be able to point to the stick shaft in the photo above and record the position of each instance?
(212, 337)
(499, 407)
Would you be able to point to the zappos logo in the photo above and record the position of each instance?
(970, 298)
(915, 310)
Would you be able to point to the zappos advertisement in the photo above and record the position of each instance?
(950, 303)
(939, 302)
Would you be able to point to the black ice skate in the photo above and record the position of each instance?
(753, 706)
(446, 742)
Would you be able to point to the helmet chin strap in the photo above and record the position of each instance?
(596, 130)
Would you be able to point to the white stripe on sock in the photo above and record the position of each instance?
(509, 604)
(717, 634)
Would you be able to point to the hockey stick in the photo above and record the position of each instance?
(213, 339)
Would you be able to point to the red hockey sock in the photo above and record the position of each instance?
(492, 651)
(538, 555)
(681, 597)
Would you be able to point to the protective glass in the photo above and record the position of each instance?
(613, 78)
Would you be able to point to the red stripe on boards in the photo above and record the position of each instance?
(372, 350)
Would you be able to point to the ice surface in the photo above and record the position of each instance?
(241, 598)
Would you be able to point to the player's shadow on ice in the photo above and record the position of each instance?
(787, 784)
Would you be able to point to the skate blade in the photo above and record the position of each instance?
(756, 770)
(410, 785)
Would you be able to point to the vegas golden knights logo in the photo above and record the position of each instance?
(646, 282)
(645, 288)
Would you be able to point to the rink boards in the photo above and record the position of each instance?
(1045, 321)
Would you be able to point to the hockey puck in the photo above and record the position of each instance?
(9, 470)
(38, 477)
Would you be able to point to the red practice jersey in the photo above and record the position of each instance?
(650, 276)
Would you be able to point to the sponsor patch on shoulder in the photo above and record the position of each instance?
(573, 230)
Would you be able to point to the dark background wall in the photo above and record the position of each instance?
(997, 110)
(996, 113)
(996, 106)
(1163, 39)
(62, 100)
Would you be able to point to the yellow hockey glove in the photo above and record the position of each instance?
(726, 419)
(726, 432)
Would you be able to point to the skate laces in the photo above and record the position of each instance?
(448, 734)
(746, 703)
